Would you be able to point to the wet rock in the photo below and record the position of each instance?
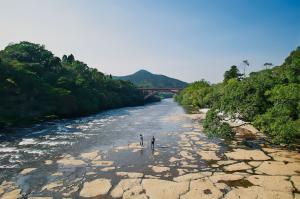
(202, 188)
(256, 192)
(70, 161)
(160, 169)
(12, 194)
(57, 174)
(296, 182)
(279, 168)
(130, 174)
(48, 162)
(27, 171)
(173, 159)
(52, 186)
(136, 192)
(237, 167)
(95, 188)
(164, 189)
(192, 176)
(91, 155)
(124, 185)
(102, 163)
(242, 154)
(208, 155)
(224, 177)
(108, 169)
(186, 155)
(272, 183)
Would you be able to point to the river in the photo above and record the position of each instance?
(100, 155)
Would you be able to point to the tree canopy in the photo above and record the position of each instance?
(35, 85)
(269, 98)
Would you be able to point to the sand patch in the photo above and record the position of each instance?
(95, 188)
(48, 162)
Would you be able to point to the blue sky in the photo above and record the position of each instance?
(189, 40)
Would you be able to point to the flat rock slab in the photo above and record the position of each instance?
(95, 188)
(27, 171)
(279, 168)
(124, 185)
(192, 176)
(12, 194)
(160, 169)
(287, 156)
(296, 181)
(208, 155)
(272, 183)
(91, 155)
(256, 192)
(224, 177)
(163, 189)
(102, 163)
(237, 167)
(130, 174)
(71, 161)
(202, 188)
(242, 154)
(136, 192)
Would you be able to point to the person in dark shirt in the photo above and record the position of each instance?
(141, 140)
(152, 142)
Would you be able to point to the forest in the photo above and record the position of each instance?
(269, 99)
(37, 86)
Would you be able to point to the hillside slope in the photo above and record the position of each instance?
(143, 78)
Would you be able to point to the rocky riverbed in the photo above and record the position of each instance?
(187, 165)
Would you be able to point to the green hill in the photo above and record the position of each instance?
(143, 78)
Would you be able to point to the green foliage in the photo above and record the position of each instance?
(35, 85)
(269, 98)
(214, 127)
(232, 73)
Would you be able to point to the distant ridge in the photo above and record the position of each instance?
(146, 79)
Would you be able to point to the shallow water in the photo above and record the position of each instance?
(113, 135)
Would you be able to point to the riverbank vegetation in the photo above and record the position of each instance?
(269, 99)
(35, 86)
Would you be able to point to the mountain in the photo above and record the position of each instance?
(143, 78)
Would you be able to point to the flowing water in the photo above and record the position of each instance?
(52, 149)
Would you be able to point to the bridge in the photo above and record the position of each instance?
(151, 91)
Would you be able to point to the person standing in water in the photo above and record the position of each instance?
(141, 140)
(152, 142)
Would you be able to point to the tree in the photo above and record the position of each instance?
(268, 64)
(233, 72)
(246, 64)
(70, 58)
